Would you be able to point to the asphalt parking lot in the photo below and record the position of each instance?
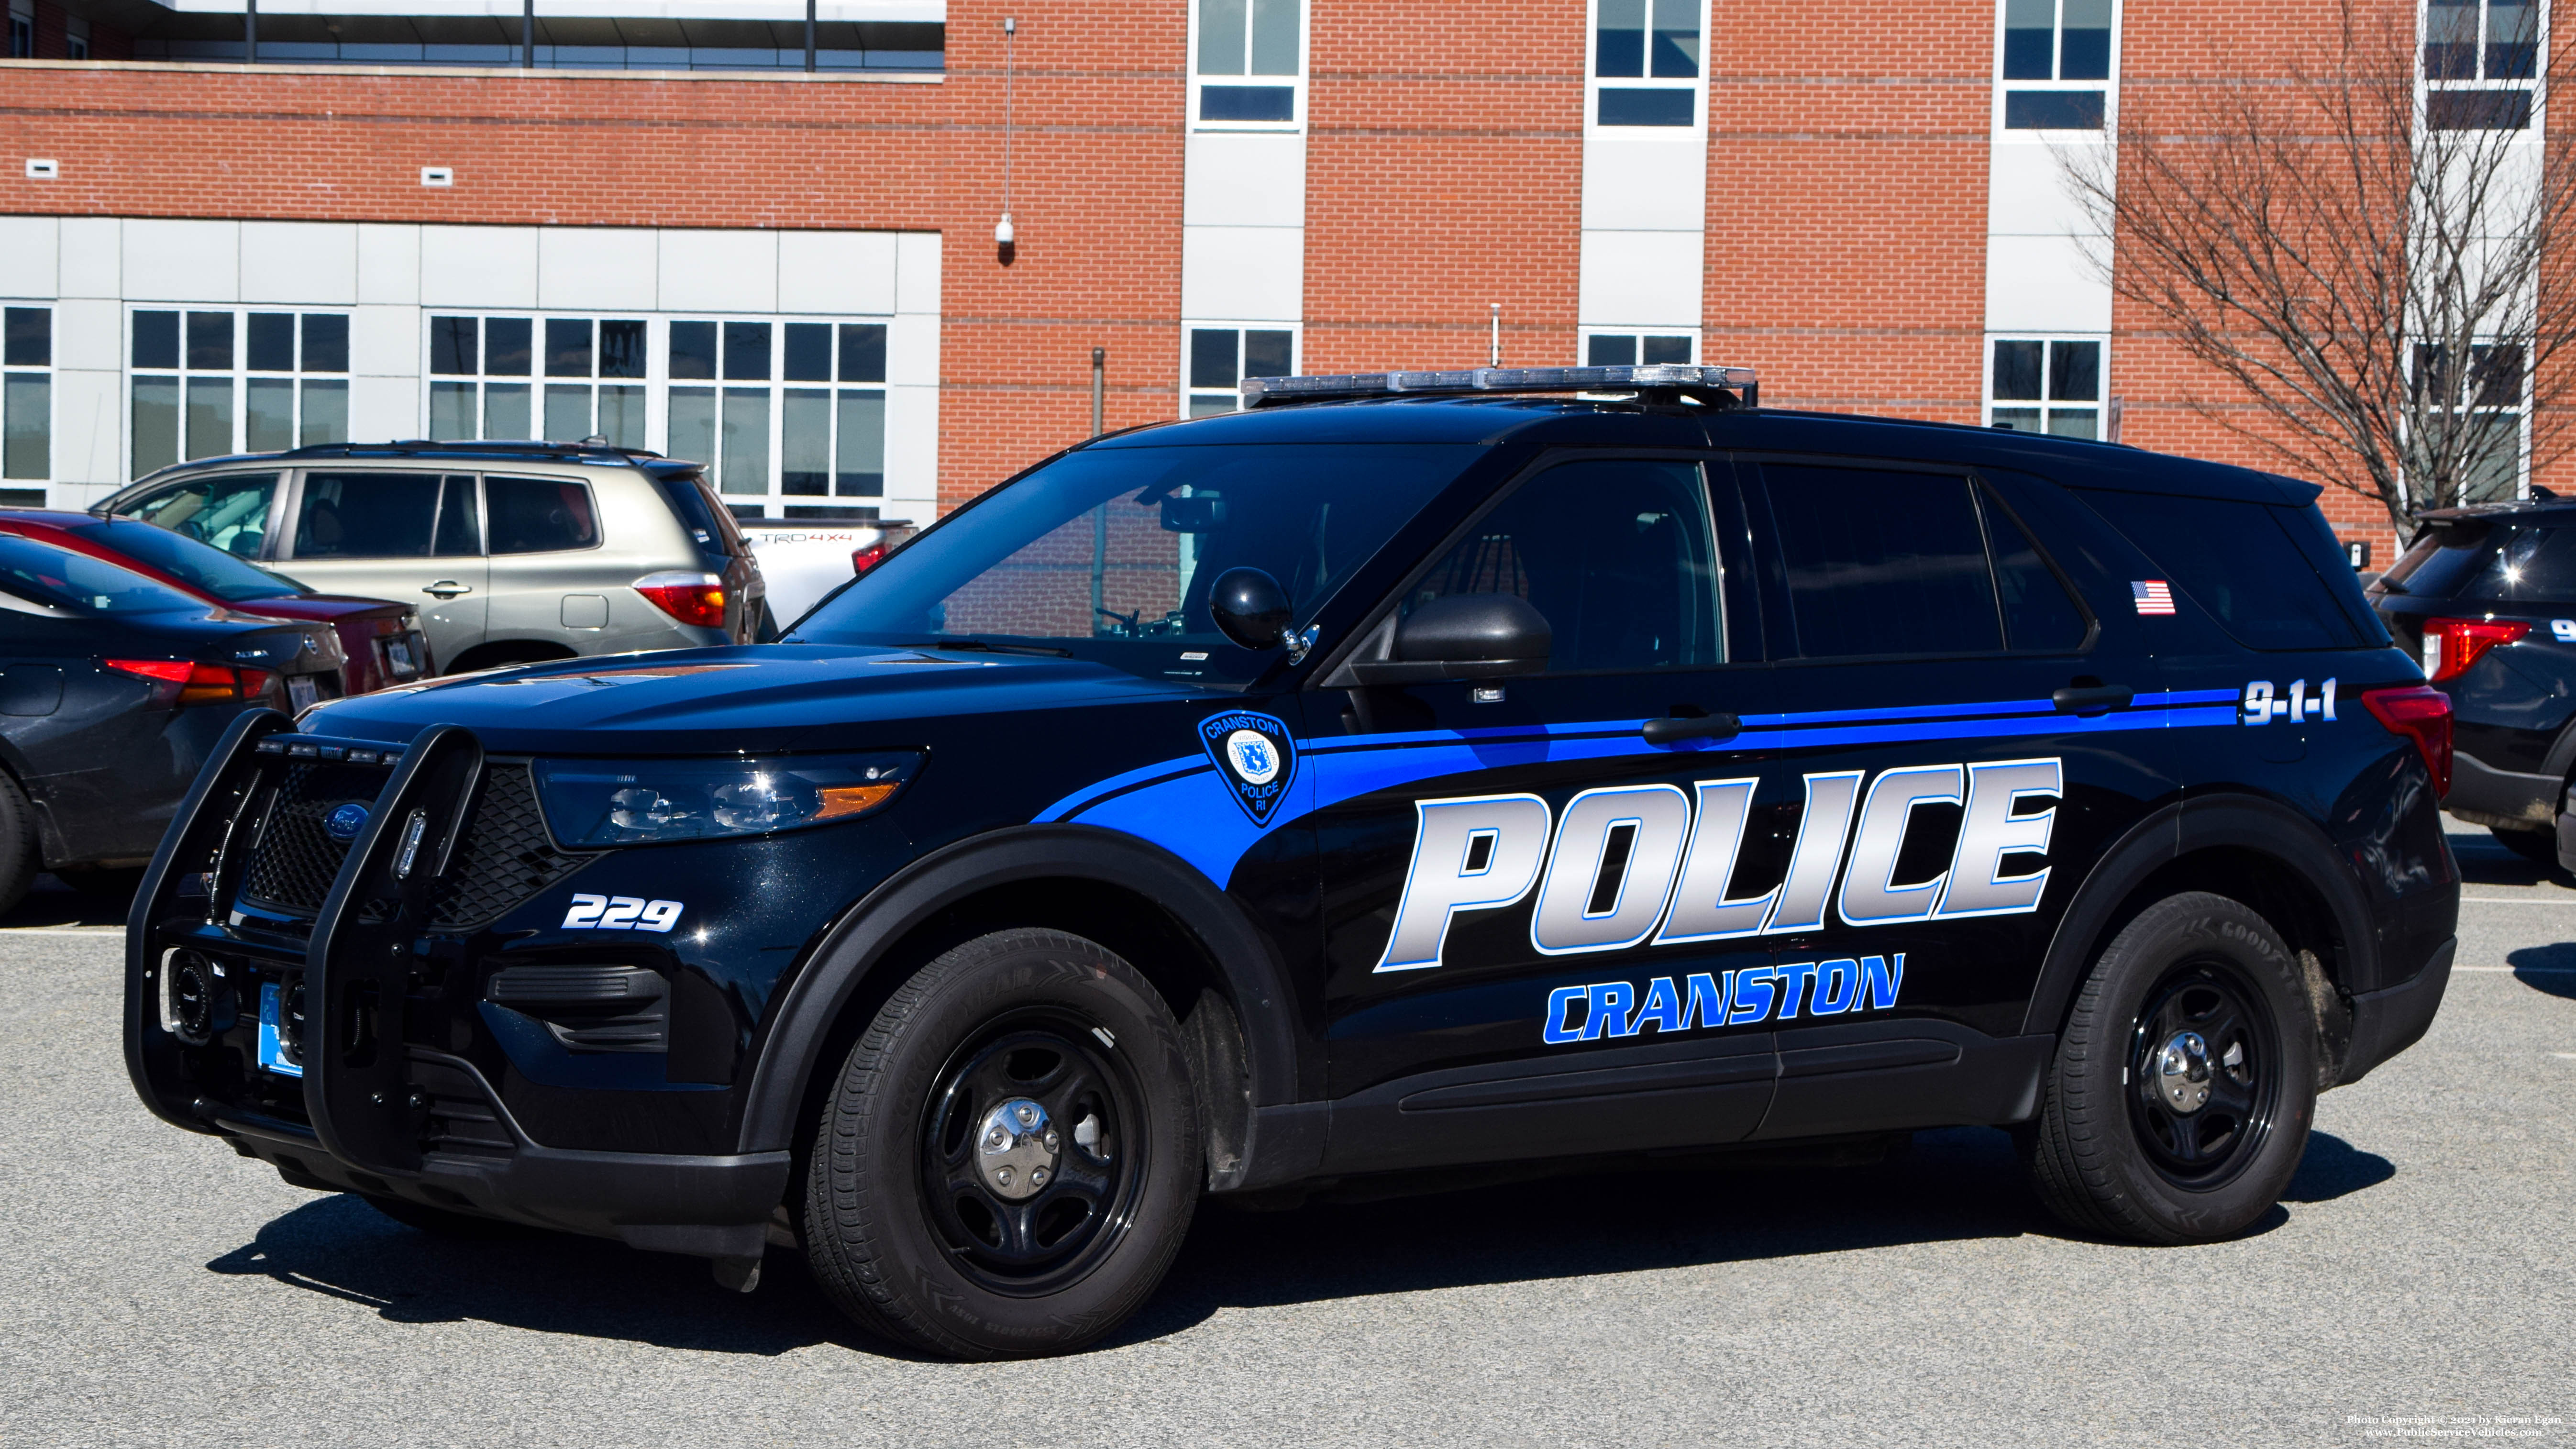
(156, 1289)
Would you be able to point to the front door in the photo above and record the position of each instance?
(1497, 855)
(1961, 738)
(412, 537)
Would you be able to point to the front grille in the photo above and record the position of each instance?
(295, 860)
(506, 855)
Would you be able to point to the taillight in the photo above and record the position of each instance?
(2424, 715)
(690, 598)
(864, 559)
(2452, 645)
(197, 683)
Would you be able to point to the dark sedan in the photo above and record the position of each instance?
(382, 639)
(113, 687)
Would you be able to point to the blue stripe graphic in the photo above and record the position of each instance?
(1181, 805)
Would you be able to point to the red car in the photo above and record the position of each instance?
(381, 638)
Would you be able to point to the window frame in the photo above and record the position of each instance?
(1189, 394)
(2108, 86)
(2046, 406)
(240, 375)
(1193, 96)
(2534, 86)
(1593, 81)
(2473, 402)
(12, 485)
(1583, 355)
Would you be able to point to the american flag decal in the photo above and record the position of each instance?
(2154, 596)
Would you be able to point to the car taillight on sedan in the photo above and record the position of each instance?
(197, 683)
(2452, 645)
(690, 598)
(2422, 714)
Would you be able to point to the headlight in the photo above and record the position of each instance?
(591, 803)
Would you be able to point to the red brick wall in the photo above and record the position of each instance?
(1847, 203)
(1444, 172)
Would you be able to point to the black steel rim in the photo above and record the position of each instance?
(2205, 1149)
(1043, 1243)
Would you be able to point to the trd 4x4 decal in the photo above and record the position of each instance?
(1636, 863)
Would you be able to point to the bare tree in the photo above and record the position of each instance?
(2371, 249)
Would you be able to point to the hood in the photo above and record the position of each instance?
(754, 698)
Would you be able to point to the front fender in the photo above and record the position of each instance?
(791, 1045)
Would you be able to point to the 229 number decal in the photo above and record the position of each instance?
(621, 913)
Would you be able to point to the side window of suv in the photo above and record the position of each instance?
(2271, 575)
(1614, 552)
(1880, 562)
(384, 515)
(539, 515)
(228, 510)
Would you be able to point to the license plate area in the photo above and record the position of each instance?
(302, 692)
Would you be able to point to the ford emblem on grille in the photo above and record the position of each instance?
(345, 822)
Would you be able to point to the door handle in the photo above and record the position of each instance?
(1695, 727)
(2092, 699)
(448, 588)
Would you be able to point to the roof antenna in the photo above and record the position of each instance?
(1004, 238)
(1494, 347)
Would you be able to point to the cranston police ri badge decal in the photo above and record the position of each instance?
(1254, 756)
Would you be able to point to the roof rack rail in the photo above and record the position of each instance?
(1711, 386)
(497, 447)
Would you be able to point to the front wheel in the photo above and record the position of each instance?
(1010, 1156)
(2185, 1081)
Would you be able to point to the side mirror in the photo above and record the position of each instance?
(1250, 608)
(1464, 636)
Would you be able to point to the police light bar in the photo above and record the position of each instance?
(1717, 386)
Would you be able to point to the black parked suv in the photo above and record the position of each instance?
(2486, 597)
(1411, 772)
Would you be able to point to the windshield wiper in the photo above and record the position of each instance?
(981, 646)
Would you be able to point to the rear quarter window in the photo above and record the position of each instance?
(2529, 565)
(538, 515)
(2272, 576)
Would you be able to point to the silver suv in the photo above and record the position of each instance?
(513, 551)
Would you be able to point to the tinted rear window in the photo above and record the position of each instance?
(2528, 565)
(48, 574)
(203, 565)
(1883, 563)
(2271, 576)
(538, 515)
(2438, 564)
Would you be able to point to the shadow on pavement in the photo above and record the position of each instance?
(2484, 862)
(2334, 1168)
(2545, 968)
(1956, 1185)
(52, 903)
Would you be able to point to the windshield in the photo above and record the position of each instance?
(1107, 554)
(47, 574)
(209, 568)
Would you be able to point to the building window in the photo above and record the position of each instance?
(2473, 51)
(633, 41)
(1251, 62)
(558, 378)
(2057, 64)
(75, 38)
(223, 381)
(2046, 386)
(27, 400)
(22, 29)
(1222, 357)
(2485, 400)
(1628, 349)
(1645, 62)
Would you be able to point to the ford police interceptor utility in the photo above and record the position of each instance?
(1412, 771)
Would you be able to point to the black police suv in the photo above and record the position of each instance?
(2487, 598)
(115, 690)
(1410, 772)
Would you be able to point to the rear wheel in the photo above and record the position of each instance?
(2540, 847)
(1009, 1158)
(2185, 1081)
(20, 856)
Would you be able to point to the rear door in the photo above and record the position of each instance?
(557, 574)
(1962, 738)
(412, 537)
(1497, 855)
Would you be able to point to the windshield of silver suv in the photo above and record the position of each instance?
(1107, 554)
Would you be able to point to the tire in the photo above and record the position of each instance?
(20, 856)
(2119, 1149)
(923, 1227)
(2540, 847)
(439, 1222)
